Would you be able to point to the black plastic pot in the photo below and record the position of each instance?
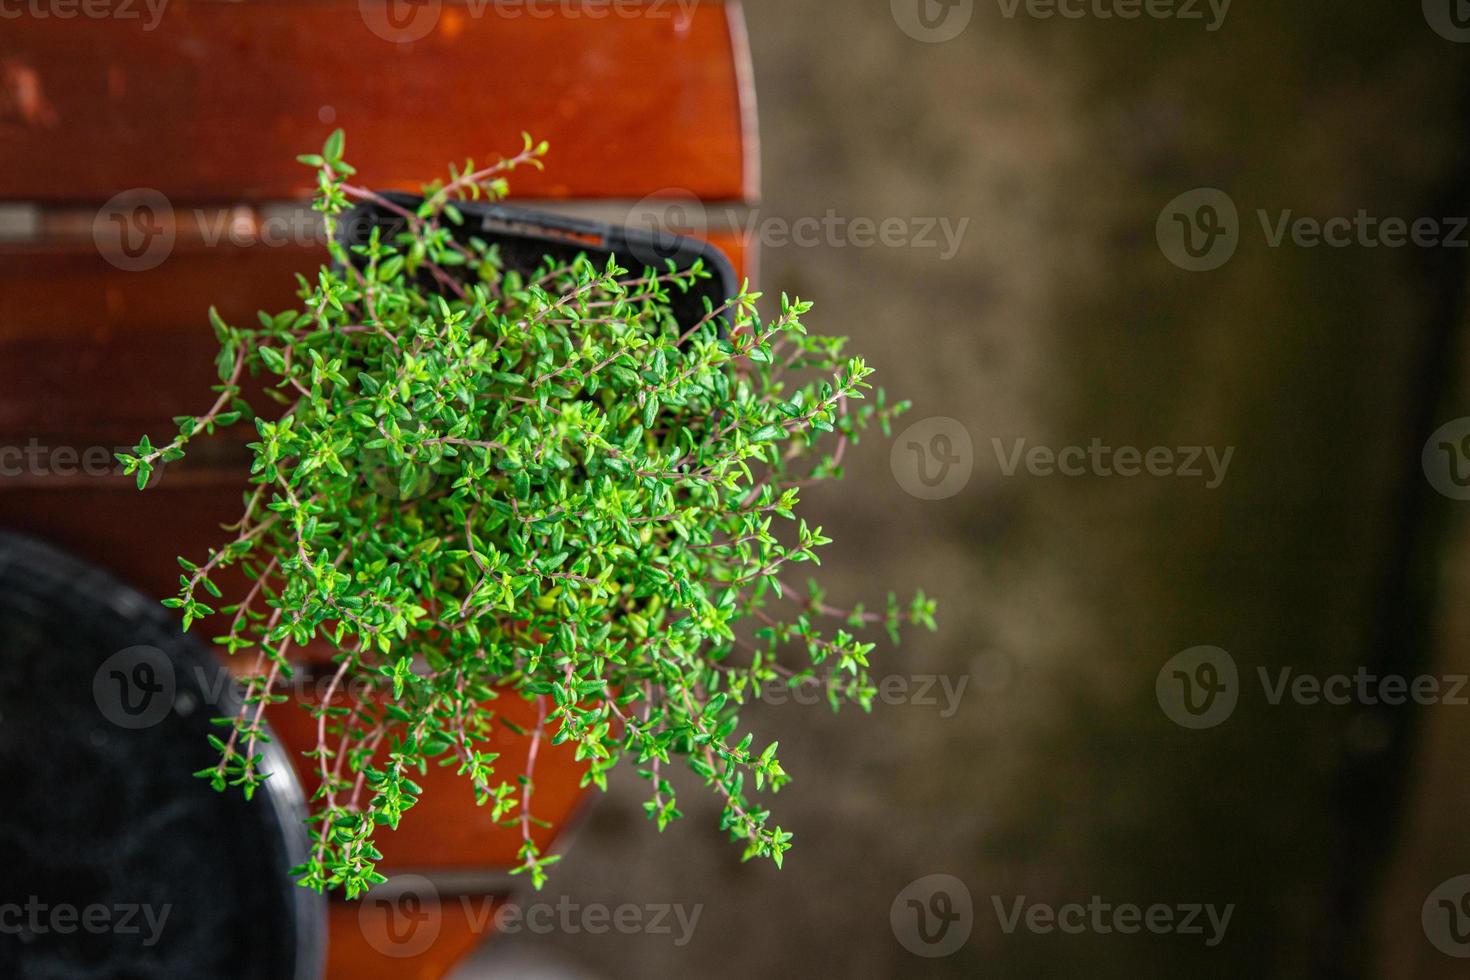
(117, 862)
(526, 237)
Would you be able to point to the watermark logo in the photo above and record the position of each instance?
(1199, 230)
(1446, 917)
(658, 221)
(933, 916)
(1449, 18)
(933, 458)
(403, 918)
(134, 230)
(1446, 459)
(134, 688)
(1198, 688)
(400, 21)
(137, 687)
(932, 21)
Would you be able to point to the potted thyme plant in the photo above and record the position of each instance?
(595, 506)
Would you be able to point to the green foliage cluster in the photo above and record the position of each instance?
(481, 484)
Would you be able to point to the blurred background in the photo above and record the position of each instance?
(1176, 288)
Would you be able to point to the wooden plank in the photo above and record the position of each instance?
(421, 940)
(89, 351)
(214, 102)
(446, 830)
(132, 534)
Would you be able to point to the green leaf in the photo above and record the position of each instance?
(768, 433)
(332, 150)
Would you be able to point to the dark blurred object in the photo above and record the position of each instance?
(524, 238)
(121, 862)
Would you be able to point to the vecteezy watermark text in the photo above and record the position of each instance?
(137, 229)
(832, 230)
(939, 691)
(139, 686)
(149, 11)
(936, 21)
(35, 917)
(934, 916)
(36, 458)
(672, 919)
(678, 211)
(934, 458)
(403, 917)
(1362, 687)
(1211, 12)
(1104, 918)
(1200, 230)
(1200, 688)
(1101, 460)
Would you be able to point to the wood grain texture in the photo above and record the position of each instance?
(90, 352)
(453, 833)
(216, 100)
(368, 942)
